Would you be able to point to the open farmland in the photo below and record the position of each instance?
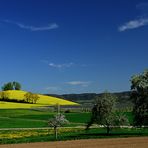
(137, 142)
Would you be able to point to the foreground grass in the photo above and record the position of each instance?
(27, 136)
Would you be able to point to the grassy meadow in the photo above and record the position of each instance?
(28, 118)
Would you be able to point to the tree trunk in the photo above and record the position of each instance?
(108, 129)
(56, 133)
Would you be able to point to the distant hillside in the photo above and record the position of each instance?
(87, 99)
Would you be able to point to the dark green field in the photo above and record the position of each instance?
(25, 118)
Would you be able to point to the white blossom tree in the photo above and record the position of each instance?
(56, 122)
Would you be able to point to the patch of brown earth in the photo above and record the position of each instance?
(135, 142)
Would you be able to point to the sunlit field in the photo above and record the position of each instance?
(42, 101)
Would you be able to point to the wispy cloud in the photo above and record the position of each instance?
(33, 28)
(52, 88)
(80, 83)
(133, 24)
(66, 65)
(142, 7)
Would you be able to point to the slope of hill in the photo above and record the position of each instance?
(87, 99)
(42, 101)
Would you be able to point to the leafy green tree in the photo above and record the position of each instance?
(27, 97)
(56, 122)
(7, 86)
(34, 98)
(11, 86)
(16, 86)
(31, 98)
(139, 94)
(103, 112)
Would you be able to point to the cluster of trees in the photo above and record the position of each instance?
(28, 98)
(31, 98)
(11, 86)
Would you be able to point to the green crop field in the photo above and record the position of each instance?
(28, 118)
(25, 118)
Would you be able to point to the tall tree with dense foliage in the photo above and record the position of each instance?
(139, 87)
(103, 113)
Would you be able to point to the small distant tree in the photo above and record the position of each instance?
(27, 97)
(4, 95)
(7, 86)
(139, 87)
(103, 112)
(16, 86)
(34, 98)
(56, 122)
(31, 98)
(11, 86)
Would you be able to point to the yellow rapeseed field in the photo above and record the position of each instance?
(42, 101)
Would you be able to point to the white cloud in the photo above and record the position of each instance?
(52, 88)
(134, 24)
(33, 28)
(81, 83)
(66, 65)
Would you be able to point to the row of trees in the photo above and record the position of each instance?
(31, 98)
(28, 97)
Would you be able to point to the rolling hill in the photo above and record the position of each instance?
(42, 101)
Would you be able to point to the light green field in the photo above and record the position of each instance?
(42, 101)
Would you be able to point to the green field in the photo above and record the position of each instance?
(28, 118)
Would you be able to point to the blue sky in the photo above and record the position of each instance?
(73, 46)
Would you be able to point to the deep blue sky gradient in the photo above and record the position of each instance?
(92, 53)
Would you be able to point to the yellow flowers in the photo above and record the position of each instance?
(42, 101)
(29, 133)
